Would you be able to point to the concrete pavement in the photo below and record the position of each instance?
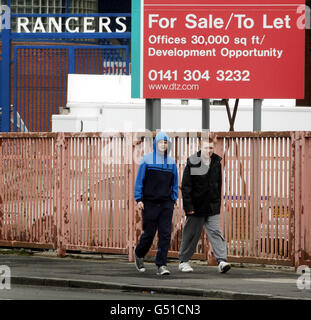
(115, 272)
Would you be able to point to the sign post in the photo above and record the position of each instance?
(153, 114)
(205, 114)
(257, 114)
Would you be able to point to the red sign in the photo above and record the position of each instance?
(222, 49)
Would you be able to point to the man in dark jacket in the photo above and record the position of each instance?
(201, 191)
(156, 192)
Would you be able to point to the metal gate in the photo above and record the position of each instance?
(40, 78)
(34, 75)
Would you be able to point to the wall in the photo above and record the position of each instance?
(109, 99)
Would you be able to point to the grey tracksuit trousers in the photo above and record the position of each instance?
(192, 233)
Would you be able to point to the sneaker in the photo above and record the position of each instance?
(162, 271)
(224, 266)
(139, 263)
(185, 267)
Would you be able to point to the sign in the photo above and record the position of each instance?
(71, 24)
(218, 49)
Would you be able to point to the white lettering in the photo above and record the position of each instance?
(192, 21)
(38, 26)
(163, 23)
(54, 24)
(22, 22)
(88, 22)
(76, 24)
(123, 25)
(277, 23)
(151, 20)
(127, 310)
(191, 24)
(151, 52)
(68, 27)
(104, 24)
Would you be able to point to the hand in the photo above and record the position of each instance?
(140, 205)
(190, 212)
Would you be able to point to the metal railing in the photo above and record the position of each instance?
(40, 72)
(74, 191)
(40, 78)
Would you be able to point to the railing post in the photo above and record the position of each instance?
(61, 211)
(256, 196)
(295, 199)
(71, 60)
(65, 192)
(127, 62)
(131, 206)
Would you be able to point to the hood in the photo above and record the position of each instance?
(162, 136)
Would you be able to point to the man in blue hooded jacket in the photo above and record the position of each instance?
(156, 192)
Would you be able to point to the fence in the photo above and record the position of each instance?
(34, 75)
(256, 217)
(40, 78)
(74, 191)
(301, 197)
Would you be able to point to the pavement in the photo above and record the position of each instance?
(242, 282)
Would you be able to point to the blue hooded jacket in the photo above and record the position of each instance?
(157, 177)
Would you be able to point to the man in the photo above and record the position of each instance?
(156, 191)
(201, 191)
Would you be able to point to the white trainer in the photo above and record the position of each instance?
(224, 266)
(185, 267)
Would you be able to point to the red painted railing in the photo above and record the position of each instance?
(74, 191)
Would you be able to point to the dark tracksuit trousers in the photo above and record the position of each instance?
(157, 216)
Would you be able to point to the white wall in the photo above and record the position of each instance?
(185, 118)
(103, 103)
